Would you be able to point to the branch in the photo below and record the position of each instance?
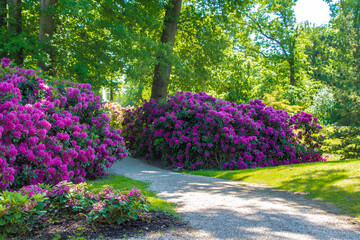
(259, 28)
(256, 51)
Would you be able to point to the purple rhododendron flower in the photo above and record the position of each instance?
(32, 149)
(237, 136)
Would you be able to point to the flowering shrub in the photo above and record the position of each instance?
(199, 131)
(115, 112)
(117, 207)
(107, 205)
(49, 134)
(18, 209)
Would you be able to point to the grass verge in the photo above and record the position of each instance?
(122, 183)
(336, 182)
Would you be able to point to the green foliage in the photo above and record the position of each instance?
(278, 101)
(66, 198)
(115, 207)
(343, 140)
(323, 105)
(17, 211)
(236, 50)
(276, 34)
(107, 205)
(121, 183)
(334, 55)
(20, 208)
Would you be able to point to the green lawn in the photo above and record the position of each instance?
(337, 182)
(121, 183)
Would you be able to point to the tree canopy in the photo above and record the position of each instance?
(237, 50)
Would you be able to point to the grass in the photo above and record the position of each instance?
(336, 182)
(123, 183)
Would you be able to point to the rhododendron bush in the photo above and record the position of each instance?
(115, 112)
(196, 131)
(53, 133)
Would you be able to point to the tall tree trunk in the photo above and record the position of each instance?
(292, 75)
(111, 94)
(163, 68)
(291, 60)
(46, 32)
(15, 27)
(3, 13)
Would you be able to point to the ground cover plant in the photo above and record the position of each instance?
(336, 182)
(124, 183)
(52, 131)
(196, 131)
(36, 211)
(20, 208)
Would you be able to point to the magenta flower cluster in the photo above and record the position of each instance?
(52, 131)
(115, 112)
(196, 131)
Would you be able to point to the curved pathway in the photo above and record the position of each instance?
(221, 209)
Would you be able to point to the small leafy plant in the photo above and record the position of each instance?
(18, 210)
(105, 206)
(117, 207)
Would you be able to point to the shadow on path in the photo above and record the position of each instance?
(229, 210)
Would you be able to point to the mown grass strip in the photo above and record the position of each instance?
(336, 182)
(122, 183)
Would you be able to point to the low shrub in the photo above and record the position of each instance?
(195, 131)
(20, 208)
(117, 207)
(105, 206)
(52, 131)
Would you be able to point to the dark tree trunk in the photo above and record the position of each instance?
(3, 13)
(291, 62)
(15, 27)
(46, 32)
(111, 94)
(163, 67)
(292, 74)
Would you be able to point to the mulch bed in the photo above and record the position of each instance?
(76, 227)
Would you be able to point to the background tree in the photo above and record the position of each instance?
(274, 23)
(15, 28)
(163, 67)
(3, 13)
(46, 32)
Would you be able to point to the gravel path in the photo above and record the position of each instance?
(220, 209)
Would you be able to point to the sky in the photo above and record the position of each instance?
(314, 11)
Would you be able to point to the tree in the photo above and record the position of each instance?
(334, 60)
(274, 23)
(46, 32)
(163, 67)
(3, 13)
(216, 15)
(15, 27)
